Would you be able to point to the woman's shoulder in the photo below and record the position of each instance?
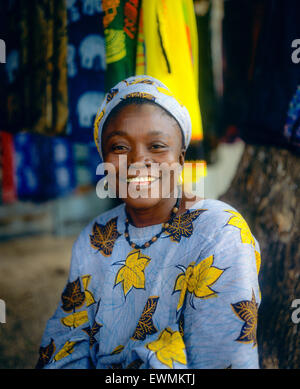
(215, 215)
(214, 209)
(221, 221)
(109, 217)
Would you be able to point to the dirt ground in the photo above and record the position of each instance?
(33, 273)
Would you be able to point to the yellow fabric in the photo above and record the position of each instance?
(140, 65)
(192, 26)
(193, 171)
(165, 24)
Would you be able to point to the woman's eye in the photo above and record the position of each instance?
(157, 146)
(119, 148)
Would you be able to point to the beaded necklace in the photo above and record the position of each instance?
(155, 237)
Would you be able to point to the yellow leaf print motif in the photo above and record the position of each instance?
(257, 260)
(169, 347)
(75, 319)
(197, 280)
(247, 311)
(238, 221)
(246, 237)
(204, 276)
(258, 264)
(131, 274)
(181, 283)
(67, 349)
(89, 298)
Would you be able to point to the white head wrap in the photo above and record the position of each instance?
(144, 87)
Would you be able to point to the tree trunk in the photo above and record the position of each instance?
(266, 190)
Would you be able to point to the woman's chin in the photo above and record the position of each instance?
(141, 203)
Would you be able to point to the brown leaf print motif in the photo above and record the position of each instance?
(247, 311)
(182, 225)
(72, 297)
(104, 237)
(92, 331)
(45, 354)
(145, 325)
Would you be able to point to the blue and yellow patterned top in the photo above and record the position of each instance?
(189, 301)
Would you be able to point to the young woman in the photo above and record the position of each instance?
(163, 280)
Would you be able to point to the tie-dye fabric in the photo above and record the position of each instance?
(189, 301)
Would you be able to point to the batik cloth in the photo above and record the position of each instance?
(120, 23)
(34, 93)
(86, 66)
(148, 88)
(189, 301)
(292, 126)
(44, 167)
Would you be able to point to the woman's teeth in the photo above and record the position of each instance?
(140, 179)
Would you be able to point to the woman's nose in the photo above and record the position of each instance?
(139, 157)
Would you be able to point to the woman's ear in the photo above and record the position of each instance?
(182, 157)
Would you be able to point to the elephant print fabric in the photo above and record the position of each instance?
(86, 66)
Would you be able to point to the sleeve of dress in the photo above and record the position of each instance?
(222, 299)
(65, 342)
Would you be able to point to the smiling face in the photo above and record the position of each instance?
(150, 141)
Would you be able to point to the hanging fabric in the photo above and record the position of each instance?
(261, 94)
(208, 27)
(8, 178)
(140, 62)
(163, 43)
(120, 22)
(167, 49)
(241, 20)
(170, 36)
(34, 93)
(276, 79)
(86, 67)
(86, 160)
(44, 167)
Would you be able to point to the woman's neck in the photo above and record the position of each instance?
(160, 212)
(157, 214)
